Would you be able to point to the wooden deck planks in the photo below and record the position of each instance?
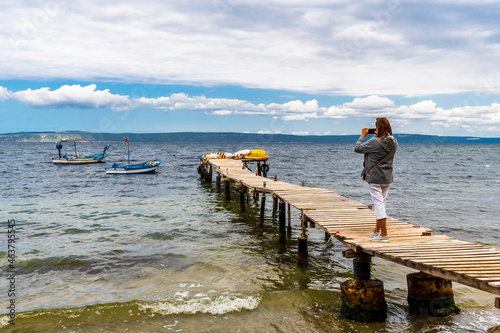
(350, 222)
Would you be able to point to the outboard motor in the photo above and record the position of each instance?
(59, 147)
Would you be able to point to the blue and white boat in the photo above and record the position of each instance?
(87, 159)
(140, 168)
(145, 167)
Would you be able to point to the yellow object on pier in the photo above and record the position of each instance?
(256, 155)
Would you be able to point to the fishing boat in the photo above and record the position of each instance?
(140, 168)
(87, 159)
(145, 167)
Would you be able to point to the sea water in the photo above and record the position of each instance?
(165, 253)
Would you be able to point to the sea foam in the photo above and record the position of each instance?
(205, 304)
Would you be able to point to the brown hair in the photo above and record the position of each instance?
(383, 128)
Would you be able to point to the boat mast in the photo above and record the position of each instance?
(128, 150)
(74, 141)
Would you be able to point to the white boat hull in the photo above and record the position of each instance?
(77, 160)
(130, 171)
(146, 167)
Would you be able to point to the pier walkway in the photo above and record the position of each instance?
(350, 222)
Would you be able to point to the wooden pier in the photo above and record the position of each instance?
(350, 222)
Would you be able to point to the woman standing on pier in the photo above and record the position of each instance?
(378, 165)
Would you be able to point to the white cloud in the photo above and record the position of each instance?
(301, 133)
(370, 103)
(76, 96)
(302, 116)
(357, 49)
(299, 107)
(222, 113)
(72, 96)
(4, 93)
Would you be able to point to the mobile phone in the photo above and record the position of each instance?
(371, 130)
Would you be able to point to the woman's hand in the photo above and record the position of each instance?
(364, 132)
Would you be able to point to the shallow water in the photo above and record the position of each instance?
(164, 252)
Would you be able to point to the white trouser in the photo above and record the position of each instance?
(379, 194)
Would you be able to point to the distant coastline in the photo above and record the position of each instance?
(214, 137)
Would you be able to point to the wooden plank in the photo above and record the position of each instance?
(455, 265)
(454, 252)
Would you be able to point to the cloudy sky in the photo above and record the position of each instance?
(273, 66)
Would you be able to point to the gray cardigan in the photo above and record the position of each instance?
(374, 149)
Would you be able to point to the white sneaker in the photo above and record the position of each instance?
(374, 234)
(383, 239)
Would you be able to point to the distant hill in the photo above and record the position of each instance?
(213, 137)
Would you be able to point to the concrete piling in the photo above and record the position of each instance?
(363, 298)
(430, 295)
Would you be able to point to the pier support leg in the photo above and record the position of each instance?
(217, 183)
(363, 298)
(242, 199)
(209, 176)
(289, 227)
(281, 222)
(275, 204)
(327, 236)
(227, 189)
(430, 295)
(302, 245)
(262, 209)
